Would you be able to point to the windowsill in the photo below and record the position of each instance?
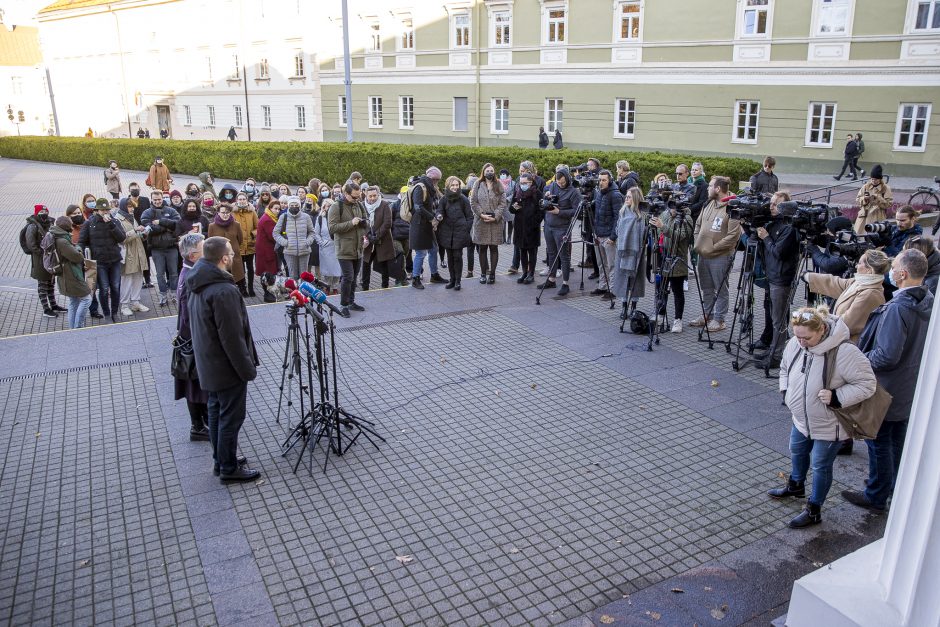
(817, 146)
(264, 79)
(343, 125)
(762, 36)
(629, 42)
(492, 132)
(752, 142)
(406, 128)
(405, 51)
(379, 127)
(233, 80)
(904, 149)
(297, 78)
(460, 130)
(300, 129)
(616, 136)
(554, 44)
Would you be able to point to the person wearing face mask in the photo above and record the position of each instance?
(134, 259)
(112, 179)
(329, 270)
(205, 183)
(348, 225)
(161, 220)
(488, 203)
(248, 222)
(37, 225)
(74, 213)
(455, 219)
(208, 205)
(265, 256)
(528, 221)
(250, 189)
(857, 297)
(192, 191)
(224, 225)
(191, 219)
(227, 194)
(159, 176)
(104, 236)
(72, 282)
(176, 200)
(140, 206)
(336, 193)
(294, 233)
(509, 190)
(264, 197)
(557, 221)
(873, 200)
(380, 251)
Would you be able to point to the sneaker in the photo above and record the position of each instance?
(857, 497)
(677, 326)
(544, 272)
(437, 278)
(416, 283)
(714, 326)
(162, 302)
(139, 307)
(685, 286)
(126, 311)
(598, 292)
(512, 271)
(48, 313)
(356, 307)
(199, 435)
(698, 322)
(564, 289)
(593, 276)
(344, 312)
(558, 273)
(96, 314)
(547, 285)
(59, 308)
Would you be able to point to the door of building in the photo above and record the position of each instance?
(163, 120)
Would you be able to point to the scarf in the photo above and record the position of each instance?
(274, 215)
(861, 282)
(695, 179)
(219, 221)
(370, 209)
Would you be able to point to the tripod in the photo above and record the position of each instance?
(744, 300)
(664, 272)
(293, 365)
(706, 314)
(629, 295)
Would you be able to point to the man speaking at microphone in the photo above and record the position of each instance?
(225, 353)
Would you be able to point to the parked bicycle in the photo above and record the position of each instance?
(927, 200)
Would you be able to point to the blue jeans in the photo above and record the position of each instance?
(78, 309)
(418, 263)
(109, 280)
(165, 259)
(884, 460)
(822, 454)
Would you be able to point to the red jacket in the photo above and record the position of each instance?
(265, 259)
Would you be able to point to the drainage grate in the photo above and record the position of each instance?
(373, 325)
(52, 373)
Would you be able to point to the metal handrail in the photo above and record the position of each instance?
(829, 193)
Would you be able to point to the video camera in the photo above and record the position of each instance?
(751, 208)
(585, 179)
(808, 218)
(880, 232)
(660, 199)
(850, 245)
(549, 202)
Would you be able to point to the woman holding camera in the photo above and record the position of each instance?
(857, 297)
(488, 203)
(454, 221)
(631, 251)
(820, 370)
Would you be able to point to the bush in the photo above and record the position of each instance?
(388, 165)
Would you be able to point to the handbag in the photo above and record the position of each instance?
(861, 421)
(183, 361)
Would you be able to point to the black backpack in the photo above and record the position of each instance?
(639, 322)
(23, 243)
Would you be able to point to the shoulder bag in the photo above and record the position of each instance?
(861, 421)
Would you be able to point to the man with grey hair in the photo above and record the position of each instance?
(893, 341)
(197, 400)
(626, 178)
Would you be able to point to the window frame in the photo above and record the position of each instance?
(912, 11)
(454, 38)
(548, 124)
(300, 112)
(342, 110)
(239, 116)
(897, 127)
(734, 122)
(406, 103)
(380, 123)
(619, 17)
(375, 37)
(211, 110)
(453, 114)
(264, 69)
(208, 59)
(236, 75)
(742, 15)
(266, 116)
(818, 11)
(496, 27)
(629, 122)
(187, 115)
(407, 34)
(495, 117)
(547, 22)
(300, 65)
(810, 115)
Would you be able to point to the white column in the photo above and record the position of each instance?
(894, 581)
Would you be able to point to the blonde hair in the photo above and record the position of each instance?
(634, 194)
(451, 179)
(877, 260)
(813, 318)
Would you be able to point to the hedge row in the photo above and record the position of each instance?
(388, 165)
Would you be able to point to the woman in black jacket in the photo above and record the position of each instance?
(454, 219)
(527, 235)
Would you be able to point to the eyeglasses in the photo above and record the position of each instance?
(802, 316)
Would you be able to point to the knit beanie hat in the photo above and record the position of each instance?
(876, 172)
(38, 208)
(433, 173)
(64, 223)
(176, 193)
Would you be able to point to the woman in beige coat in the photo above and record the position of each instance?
(857, 297)
(134, 259)
(488, 204)
(820, 342)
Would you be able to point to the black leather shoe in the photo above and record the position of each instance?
(241, 460)
(491, 279)
(457, 286)
(598, 292)
(58, 308)
(356, 307)
(564, 289)
(809, 516)
(793, 488)
(268, 297)
(344, 312)
(760, 346)
(97, 315)
(548, 285)
(483, 280)
(242, 474)
(437, 278)
(529, 279)
(450, 285)
(199, 435)
(846, 448)
(416, 283)
(522, 279)
(856, 497)
(593, 275)
(768, 363)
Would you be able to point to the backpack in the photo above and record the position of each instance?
(406, 210)
(23, 243)
(861, 147)
(50, 255)
(639, 322)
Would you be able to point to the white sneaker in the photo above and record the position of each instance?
(126, 311)
(677, 326)
(685, 286)
(698, 322)
(139, 307)
(558, 273)
(544, 272)
(714, 326)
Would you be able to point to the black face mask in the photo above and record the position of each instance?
(135, 193)
(192, 212)
(294, 210)
(488, 176)
(78, 220)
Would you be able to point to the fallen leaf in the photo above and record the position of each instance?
(719, 612)
(513, 550)
(678, 590)
(83, 563)
(708, 588)
(443, 359)
(259, 481)
(714, 383)
(38, 434)
(404, 559)
(619, 541)
(497, 392)
(332, 562)
(781, 475)
(533, 386)
(818, 564)
(654, 615)
(606, 619)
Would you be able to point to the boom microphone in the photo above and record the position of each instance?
(318, 296)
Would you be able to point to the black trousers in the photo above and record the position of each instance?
(249, 261)
(385, 269)
(488, 261)
(849, 164)
(528, 258)
(347, 284)
(470, 250)
(455, 264)
(226, 416)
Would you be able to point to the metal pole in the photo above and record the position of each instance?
(476, 64)
(55, 115)
(346, 69)
(127, 113)
(247, 108)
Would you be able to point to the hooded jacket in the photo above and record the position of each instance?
(222, 343)
(568, 201)
(632, 179)
(898, 237)
(781, 250)
(456, 221)
(424, 199)
(35, 230)
(854, 299)
(163, 235)
(104, 239)
(159, 177)
(893, 341)
(933, 272)
(228, 193)
(248, 221)
(72, 280)
(204, 184)
(294, 233)
(607, 203)
(716, 234)
(801, 378)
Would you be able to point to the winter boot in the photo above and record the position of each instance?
(809, 516)
(198, 431)
(793, 488)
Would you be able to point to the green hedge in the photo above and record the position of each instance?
(388, 165)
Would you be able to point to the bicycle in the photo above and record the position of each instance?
(927, 200)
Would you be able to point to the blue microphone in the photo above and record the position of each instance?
(318, 296)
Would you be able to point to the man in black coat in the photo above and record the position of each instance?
(849, 155)
(103, 235)
(893, 341)
(543, 138)
(765, 181)
(225, 353)
(161, 220)
(607, 203)
(424, 199)
(780, 252)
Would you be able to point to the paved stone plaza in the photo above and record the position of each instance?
(540, 468)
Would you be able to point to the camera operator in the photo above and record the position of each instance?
(823, 260)
(589, 171)
(676, 233)
(926, 245)
(716, 238)
(765, 181)
(558, 215)
(683, 185)
(780, 252)
(873, 200)
(905, 229)
(607, 203)
(626, 178)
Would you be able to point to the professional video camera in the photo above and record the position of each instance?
(850, 245)
(658, 199)
(880, 232)
(808, 218)
(549, 202)
(753, 209)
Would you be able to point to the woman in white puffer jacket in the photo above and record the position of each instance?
(816, 434)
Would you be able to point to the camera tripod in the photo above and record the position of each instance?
(743, 311)
(704, 335)
(326, 419)
(663, 273)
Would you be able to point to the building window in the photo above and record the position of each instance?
(263, 70)
(629, 20)
(266, 116)
(236, 68)
(555, 29)
(499, 120)
(407, 106)
(299, 70)
(187, 115)
(927, 16)
(462, 30)
(208, 68)
(745, 121)
(501, 24)
(820, 124)
(554, 113)
(375, 37)
(238, 116)
(911, 133)
(301, 116)
(756, 18)
(375, 112)
(342, 111)
(460, 114)
(625, 117)
(407, 40)
(211, 116)
(832, 17)
(17, 85)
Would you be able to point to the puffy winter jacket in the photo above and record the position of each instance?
(607, 205)
(294, 233)
(104, 239)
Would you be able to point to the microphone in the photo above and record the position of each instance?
(313, 280)
(290, 284)
(298, 298)
(318, 296)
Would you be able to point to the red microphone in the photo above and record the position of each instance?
(299, 299)
(308, 277)
(290, 284)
